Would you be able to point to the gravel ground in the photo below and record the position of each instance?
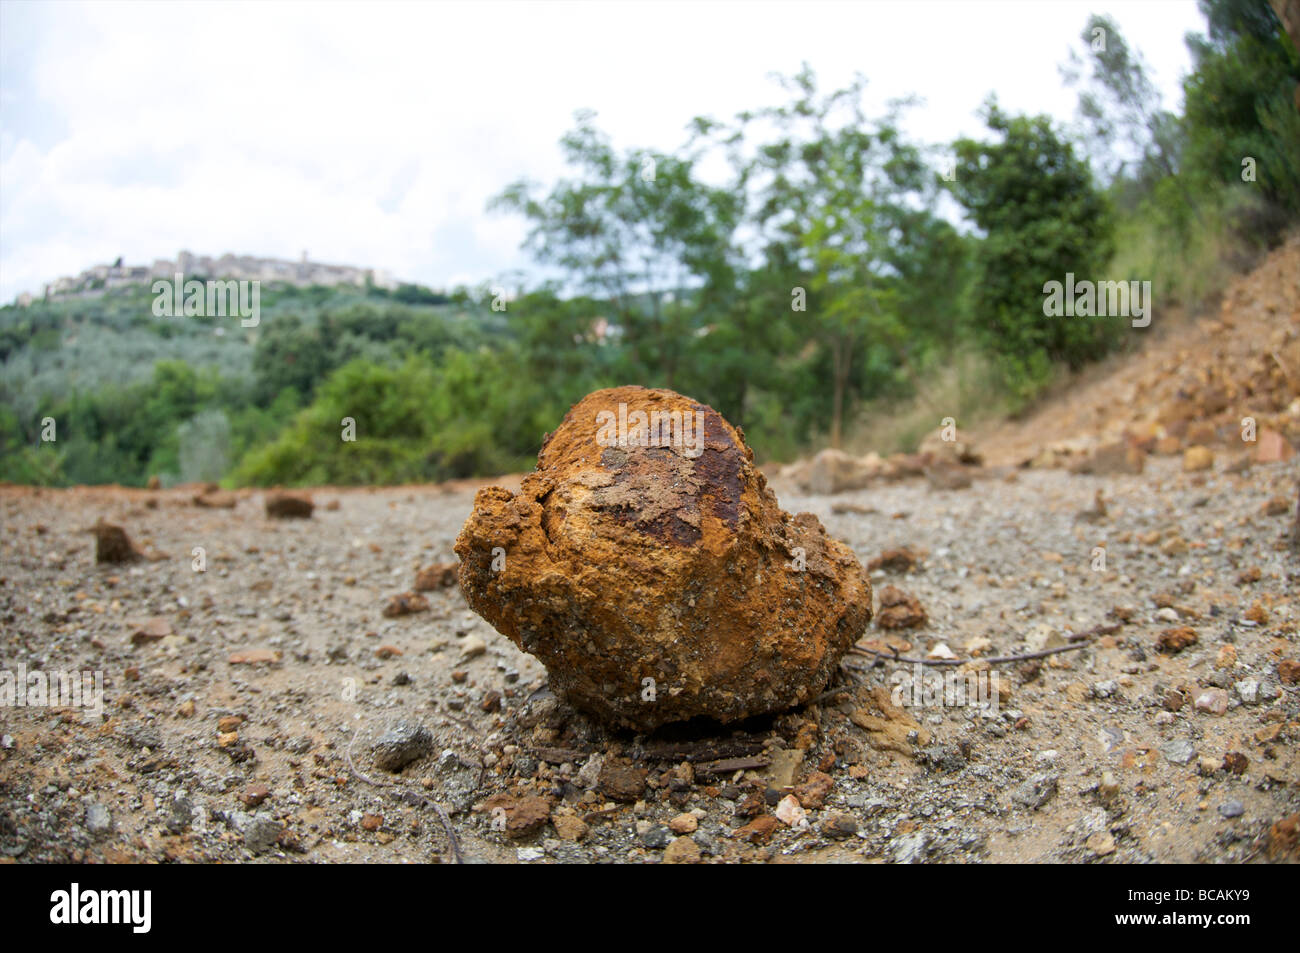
(266, 710)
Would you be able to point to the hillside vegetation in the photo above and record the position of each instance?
(819, 295)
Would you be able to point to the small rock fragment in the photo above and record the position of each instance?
(98, 819)
(400, 745)
(899, 610)
(1172, 641)
(405, 603)
(149, 630)
(289, 506)
(438, 576)
(1212, 700)
(1197, 458)
(1178, 751)
(682, 850)
(684, 824)
(112, 545)
(790, 813)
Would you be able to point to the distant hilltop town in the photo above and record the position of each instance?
(301, 273)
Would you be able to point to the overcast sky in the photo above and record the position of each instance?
(373, 134)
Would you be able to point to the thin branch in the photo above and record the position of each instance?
(406, 795)
(1079, 640)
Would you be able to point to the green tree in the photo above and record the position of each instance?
(1042, 216)
(1240, 107)
(636, 229)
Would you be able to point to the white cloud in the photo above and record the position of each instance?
(373, 134)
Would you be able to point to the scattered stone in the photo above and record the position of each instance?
(1105, 689)
(1230, 809)
(657, 837)
(400, 745)
(1283, 841)
(911, 848)
(405, 603)
(1178, 750)
(1227, 658)
(254, 657)
(899, 610)
(439, 576)
(790, 813)
(255, 794)
(949, 446)
(472, 647)
(834, 471)
(621, 781)
(684, 824)
(889, 727)
(1197, 458)
(284, 506)
(895, 560)
(526, 816)
(1173, 641)
(1112, 458)
(98, 819)
(1036, 792)
(757, 831)
(837, 825)
(569, 827)
(1212, 700)
(948, 477)
(152, 629)
(602, 523)
(816, 788)
(682, 850)
(1277, 506)
(1272, 447)
(216, 500)
(1101, 843)
(262, 832)
(1095, 513)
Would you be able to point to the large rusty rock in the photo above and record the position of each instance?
(649, 567)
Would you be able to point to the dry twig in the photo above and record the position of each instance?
(407, 796)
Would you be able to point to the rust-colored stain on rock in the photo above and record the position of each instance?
(647, 564)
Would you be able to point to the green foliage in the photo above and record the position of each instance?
(1043, 217)
(816, 293)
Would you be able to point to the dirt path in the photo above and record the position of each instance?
(1100, 754)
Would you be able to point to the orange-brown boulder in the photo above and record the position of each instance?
(648, 565)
